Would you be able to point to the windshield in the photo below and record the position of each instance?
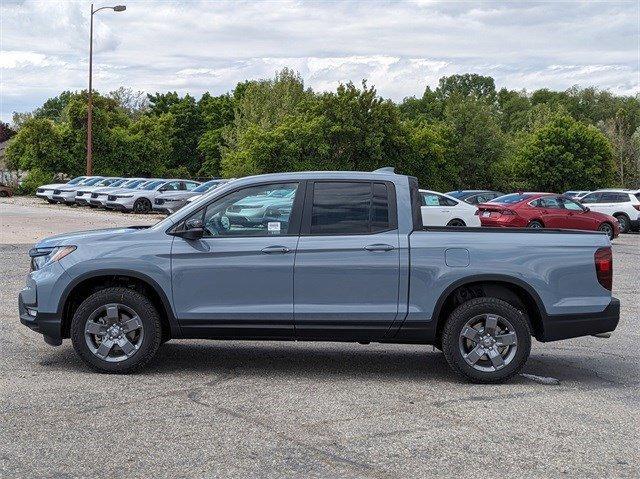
(118, 182)
(456, 194)
(152, 185)
(92, 181)
(106, 182)
(511, 199)
(207, 186)
(76, 180)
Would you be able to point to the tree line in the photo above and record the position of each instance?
(464, 133)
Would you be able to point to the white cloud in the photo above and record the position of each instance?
(399, 47)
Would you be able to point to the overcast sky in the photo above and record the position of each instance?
(400, 47)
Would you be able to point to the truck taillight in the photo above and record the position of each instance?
(604, 267)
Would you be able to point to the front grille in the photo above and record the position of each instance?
(159, 201)
(80, 193)
(56, 192)
(94, 195)
(40, 190)
(112, 197)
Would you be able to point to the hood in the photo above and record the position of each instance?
(178, 194)
(70, 188)
(52, 186)
(78, 237)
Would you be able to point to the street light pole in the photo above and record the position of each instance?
(117, 8)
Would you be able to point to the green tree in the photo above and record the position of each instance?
(475, 141)
(465, 86)
(564, 154)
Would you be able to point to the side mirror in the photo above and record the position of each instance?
(193, 229)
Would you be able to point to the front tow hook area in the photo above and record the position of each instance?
(602, 335)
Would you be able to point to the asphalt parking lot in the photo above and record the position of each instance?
(269, 409)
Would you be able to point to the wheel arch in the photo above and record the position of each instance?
(515, 291)
(85, 285)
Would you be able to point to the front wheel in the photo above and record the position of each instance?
(623, 221)
(535, 225)
(606, 228)
(486, 340)
(456, 222)
(116, 330)
(142, 205)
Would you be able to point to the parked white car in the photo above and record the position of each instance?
(439, 209)
(46, 191)
(83, 194)
(140, 200)
(67, 194)
(623, 205)
(99, 196)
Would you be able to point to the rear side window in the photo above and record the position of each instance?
(614, 198)
(350, 208)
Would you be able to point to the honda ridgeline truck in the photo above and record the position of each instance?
(319, 256)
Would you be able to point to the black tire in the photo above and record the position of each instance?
(535, 224)
(481, 306)
(142, 205)
(624, 222)
(456, 222)
(143, 308)
(3, 194)
(606, 228)
(51, 201)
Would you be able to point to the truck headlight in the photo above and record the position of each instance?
(40, 257)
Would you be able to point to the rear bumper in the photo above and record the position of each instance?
(557, 327)
(49, 325)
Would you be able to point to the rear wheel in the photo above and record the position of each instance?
(456, 222)
(142, 205)
(116, 330)
(624, 222)
(535, 225)
(486, 340)
(3, 194)
(606, 228)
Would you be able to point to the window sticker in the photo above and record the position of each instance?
(273, 226)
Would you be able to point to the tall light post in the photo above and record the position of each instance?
(117, 8)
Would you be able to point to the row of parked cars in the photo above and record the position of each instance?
(609, 211)
(140, 195)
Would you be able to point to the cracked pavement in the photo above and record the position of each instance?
(282, 409)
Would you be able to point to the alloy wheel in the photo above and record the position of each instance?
(488, 342)
(114, 332)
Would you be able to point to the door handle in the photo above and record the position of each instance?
(275, 250)
(378, 247)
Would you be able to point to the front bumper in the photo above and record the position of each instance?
(82, 200)
(121, 204)
(68, 198)
(49, 325)
(557, 327)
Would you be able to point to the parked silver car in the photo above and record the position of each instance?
(172, 201)
(141, 200)
(99, 196)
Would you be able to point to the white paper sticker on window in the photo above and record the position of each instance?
(273, 226)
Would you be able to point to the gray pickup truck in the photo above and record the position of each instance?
(322, 256)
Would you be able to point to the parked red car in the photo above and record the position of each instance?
(544, 210)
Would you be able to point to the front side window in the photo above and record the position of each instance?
(263, 210)
(350, 208)
(591, 198)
